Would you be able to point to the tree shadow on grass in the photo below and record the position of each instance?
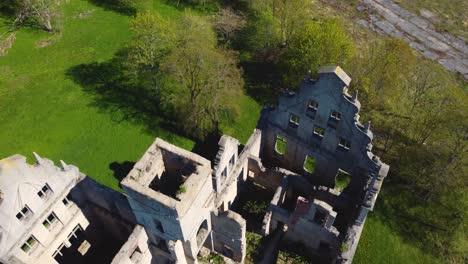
(117, 91)
(121, 169)
(117, 6)
(261, 78)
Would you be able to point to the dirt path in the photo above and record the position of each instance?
(388, 18)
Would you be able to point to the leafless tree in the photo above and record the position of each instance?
(44, 11)
(228, 22)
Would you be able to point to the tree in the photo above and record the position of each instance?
(290, 15)
(45, 12)
(314, 45)
(205, 77)
(228, 22)
(9, 7)
(382, 72)
(154, 40)
(261, 34)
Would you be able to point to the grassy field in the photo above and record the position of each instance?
(44, 108)
(450, 16)
(381, 245)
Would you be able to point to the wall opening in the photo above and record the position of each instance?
(320, 217)
(280, 145)
(228, 251)
(202, 233)
(293, 120)
(342, 180)
(309, 164)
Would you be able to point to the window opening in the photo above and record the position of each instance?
(309, 164)
(29, 244)
(44, 191)
(280, 145)
(24, 213)
(345, 144)
(158, 225)
(313, 105)
(342, 180)
(293, 120)
(320, 217)
(318, 131)
(232, 160)
(66, 200)
(336, 115)
(50, 221)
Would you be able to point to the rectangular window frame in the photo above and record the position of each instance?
(312, 105)
(335, 115)
(344, 143)
(319, 131)
(294, 120)
(284, 141)
(24, 213)
(307, 158)
(45, 191)
(51, 221)
(30, 244)
(67, 201)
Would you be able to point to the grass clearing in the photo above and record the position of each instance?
(381, 245)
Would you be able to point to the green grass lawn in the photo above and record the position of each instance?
(43, 109)
(381, 245)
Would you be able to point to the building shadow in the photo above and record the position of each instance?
(121, 169)
(208, 148)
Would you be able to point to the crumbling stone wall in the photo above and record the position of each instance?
(135, 250)
(229, 235)
(321, 121)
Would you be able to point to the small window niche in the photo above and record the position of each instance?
(309, 164)
(280, 145)
(232, 160)
(319, 131)
(293, 120)
(344, 144)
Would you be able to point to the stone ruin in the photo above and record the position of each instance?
(310, 151)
